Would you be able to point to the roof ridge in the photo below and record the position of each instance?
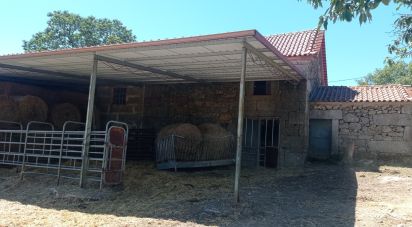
(376, 85)
(289, 33)
(315, 40)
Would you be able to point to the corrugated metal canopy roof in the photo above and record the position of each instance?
(211, 58)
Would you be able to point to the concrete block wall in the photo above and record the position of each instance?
(370, 131)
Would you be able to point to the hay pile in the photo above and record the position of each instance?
(187, 141)
(32, 108)
(64, 112)
(216, 142)
(8, 109)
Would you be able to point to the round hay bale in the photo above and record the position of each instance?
(64, 112)
(184, 130)
(187, 141)
(217, 142)
(32, 108)
(166, 131)
(8, 109)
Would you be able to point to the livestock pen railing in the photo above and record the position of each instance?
(40, 149)
(173, 152)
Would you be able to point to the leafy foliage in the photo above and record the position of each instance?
(393, 73)
(347, 10)
(402, 45)
(68, 30)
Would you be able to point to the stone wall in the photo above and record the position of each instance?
(311, 67)
(155, 106)
(131, 113)
(369, 131)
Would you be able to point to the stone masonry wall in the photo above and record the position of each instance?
(155, 106)
(371, 131)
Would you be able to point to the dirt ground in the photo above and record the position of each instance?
(318, 195)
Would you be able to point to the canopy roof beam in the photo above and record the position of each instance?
(67, 78)
(189, 56)
(271, 63)
(147, 69)
(43, 71)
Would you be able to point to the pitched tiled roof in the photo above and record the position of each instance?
(294, 44)
(302, 45)
(376, 93)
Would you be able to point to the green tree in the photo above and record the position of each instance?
(69, 30)
(347, 10)
(393, 73)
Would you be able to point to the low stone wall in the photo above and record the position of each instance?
(369, 131)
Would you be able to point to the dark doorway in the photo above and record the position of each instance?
(261, 142)
(320, 139)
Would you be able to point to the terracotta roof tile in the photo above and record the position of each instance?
(376, 93)
(304, 43)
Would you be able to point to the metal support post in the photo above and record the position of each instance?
(89, 119)
(240, 122)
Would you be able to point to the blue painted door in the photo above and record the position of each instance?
(320, 138)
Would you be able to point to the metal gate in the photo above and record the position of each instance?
(320, 138)
(261, 142)
(40, 149)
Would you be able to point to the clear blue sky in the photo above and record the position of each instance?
(352, 50)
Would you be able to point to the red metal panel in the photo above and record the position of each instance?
(114, 169)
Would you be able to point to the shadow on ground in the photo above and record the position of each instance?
(319, 195)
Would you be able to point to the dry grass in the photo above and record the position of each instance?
(321, 195)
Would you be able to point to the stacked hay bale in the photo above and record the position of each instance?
(32, 108)
(8, 109)
(207, 142)
(188, 139)
(217, 142)
(64, 112)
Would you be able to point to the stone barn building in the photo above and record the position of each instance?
(287, 111)
(280, 105)
(363, 123)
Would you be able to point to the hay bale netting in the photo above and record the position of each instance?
(64, 112)
(8, 109)
(187, 141)
(32, 108)
(217, 142)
